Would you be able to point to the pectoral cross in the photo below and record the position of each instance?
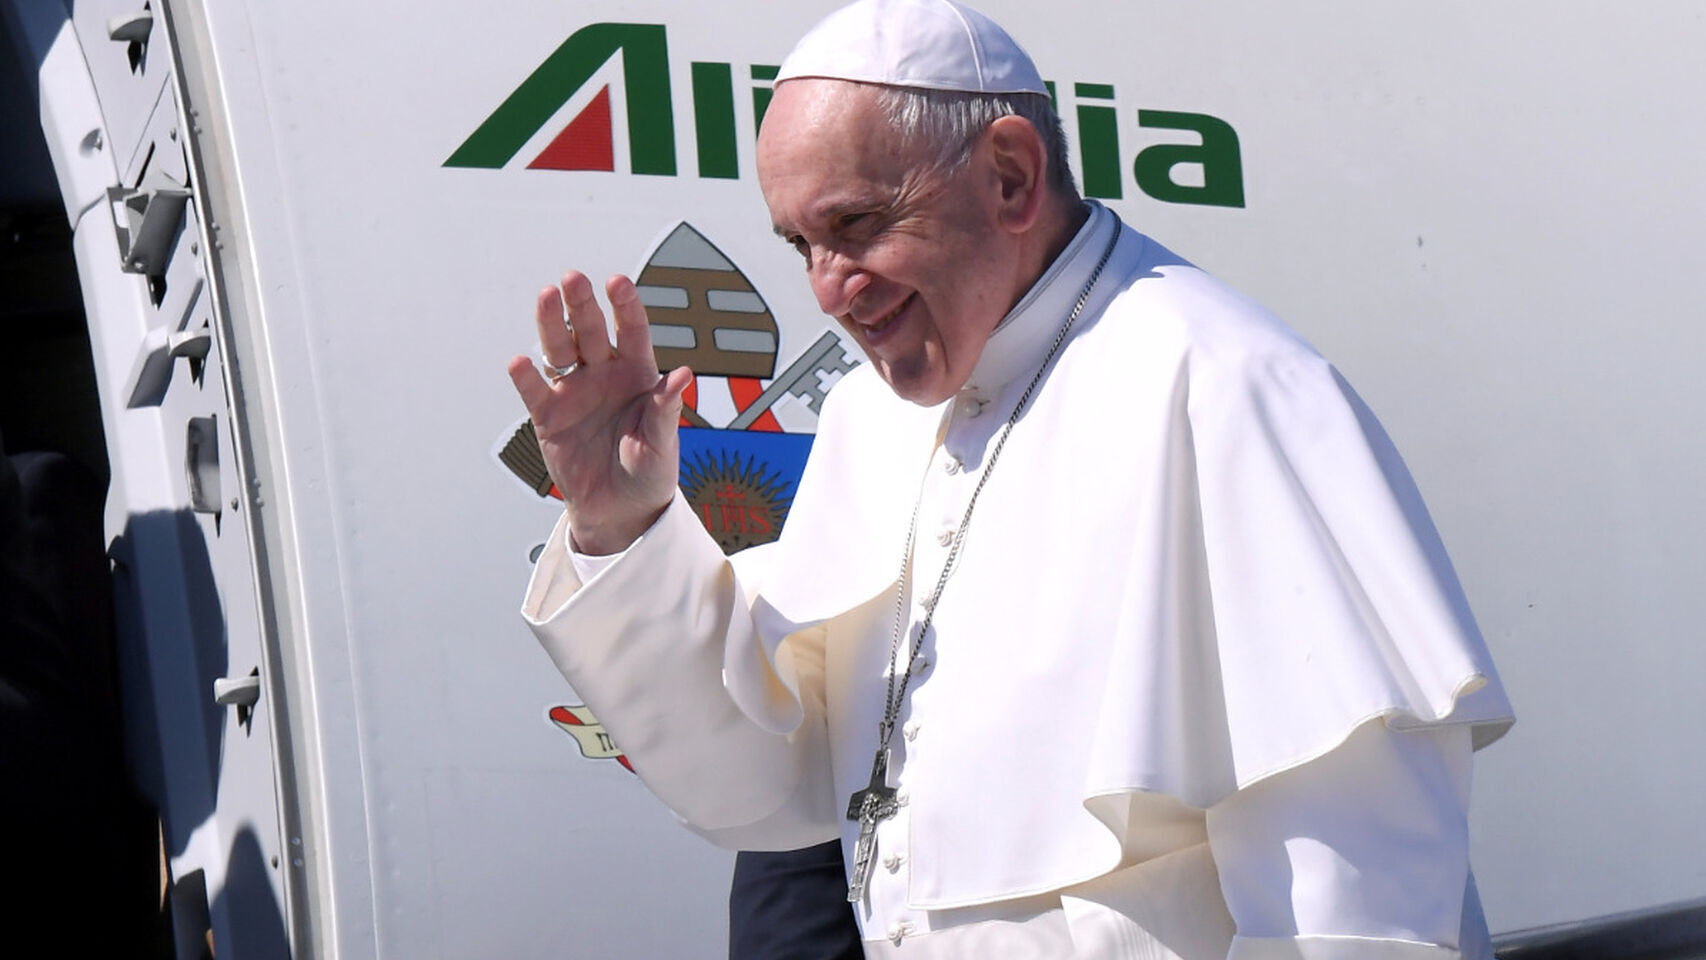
(868, 806)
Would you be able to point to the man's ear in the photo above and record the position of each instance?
(1020, 161)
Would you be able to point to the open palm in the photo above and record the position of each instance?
(607, 429)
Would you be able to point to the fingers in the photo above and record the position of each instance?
(556, 342)
(633, 329)
(664, 404)
(532, 387)
(677, 382)
(586, 319)
(673, 384)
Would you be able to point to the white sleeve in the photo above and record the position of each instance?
(588, 566)
(1360, 853)
(647, 637)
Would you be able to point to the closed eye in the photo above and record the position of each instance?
(860, 224)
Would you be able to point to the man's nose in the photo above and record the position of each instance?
(836, 281)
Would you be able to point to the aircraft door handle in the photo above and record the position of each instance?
(240, 692)
(131, 27)
(190, 343)
(237, 691)
(147, 218)
(151, 373)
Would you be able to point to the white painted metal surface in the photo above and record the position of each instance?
(184, 584)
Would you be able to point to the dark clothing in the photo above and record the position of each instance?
(792, 906)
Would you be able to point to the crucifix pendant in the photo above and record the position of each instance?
(868, 806)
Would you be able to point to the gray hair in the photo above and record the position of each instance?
(952, 120)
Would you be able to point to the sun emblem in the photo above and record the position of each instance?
(741, 501)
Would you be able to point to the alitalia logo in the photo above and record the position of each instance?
(1205, 168)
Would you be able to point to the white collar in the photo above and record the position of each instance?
(1023, 336)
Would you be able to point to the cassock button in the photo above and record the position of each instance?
(892, 862)
(903, 796)
(945, 537)
(952, 466)
(973, 407)
(910, 730)
(897, 932)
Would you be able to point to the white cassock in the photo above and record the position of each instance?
(1202, 682)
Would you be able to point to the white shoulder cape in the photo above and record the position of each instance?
(1199, 563)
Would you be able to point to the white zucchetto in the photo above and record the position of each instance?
(927, 44)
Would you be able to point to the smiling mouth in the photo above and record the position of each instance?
(888, 318)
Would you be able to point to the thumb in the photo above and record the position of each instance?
(665, 399)
(672, 386)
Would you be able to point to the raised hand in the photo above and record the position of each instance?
(607, 427)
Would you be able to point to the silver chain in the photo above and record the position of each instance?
(893, 700)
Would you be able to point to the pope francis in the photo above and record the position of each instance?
(1106, 622)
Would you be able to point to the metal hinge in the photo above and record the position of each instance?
(152, 212)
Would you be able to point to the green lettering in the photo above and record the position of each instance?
(1218, 155)
(762, 74)
(714, 119)
(1099, 142)
(645, 77)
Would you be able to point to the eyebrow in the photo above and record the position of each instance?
(838, 209)
(858, 205)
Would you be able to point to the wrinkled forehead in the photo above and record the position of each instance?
(817, 106)
(816, 122)
(826, 145)
(830, 129)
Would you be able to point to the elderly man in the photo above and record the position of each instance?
(1106, 622)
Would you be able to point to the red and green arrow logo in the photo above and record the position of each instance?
(586, 142)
